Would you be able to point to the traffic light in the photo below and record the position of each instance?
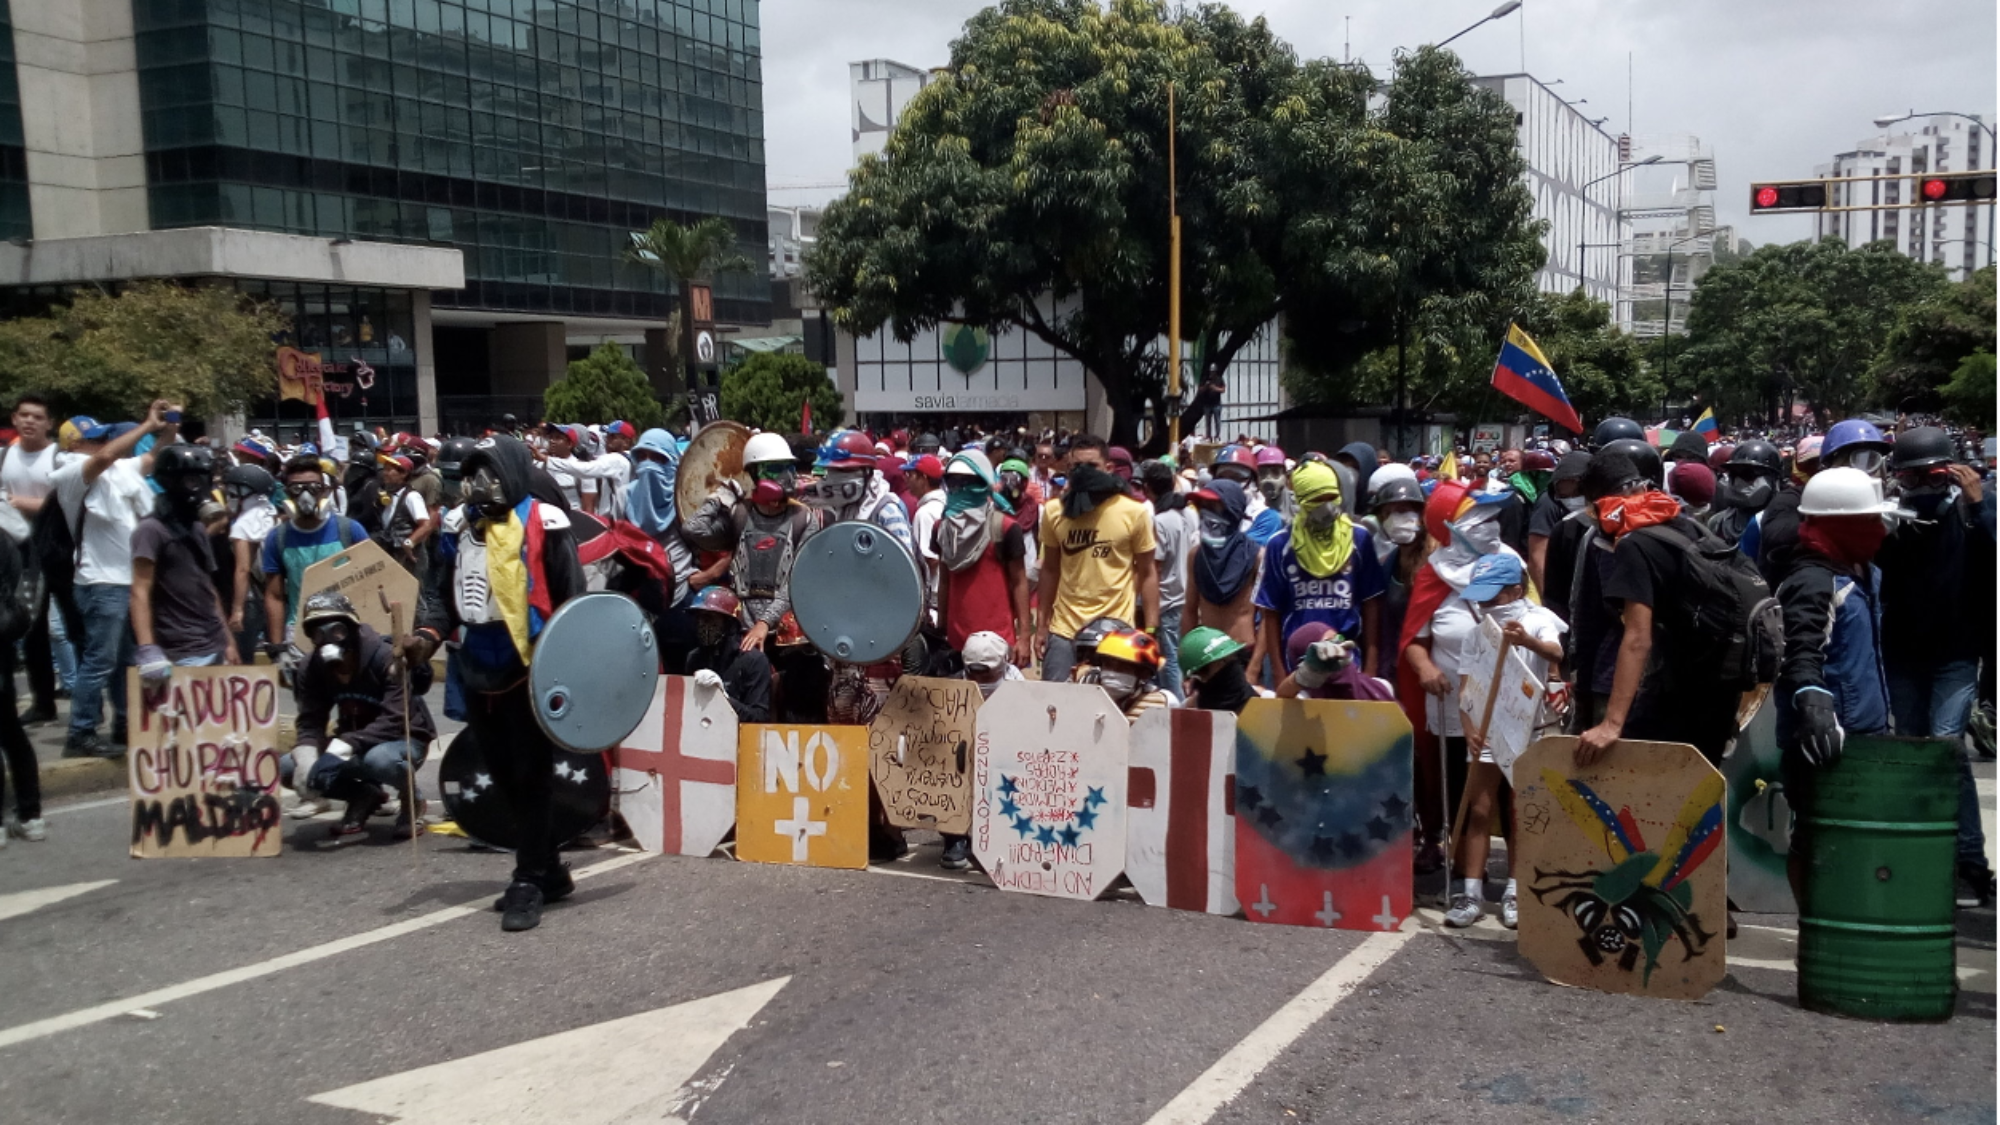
(1958, 187)
(1794, 195)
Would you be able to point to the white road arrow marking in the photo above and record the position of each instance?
(22, 902)
(597, 1075)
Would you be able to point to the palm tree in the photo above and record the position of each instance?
(686, 253)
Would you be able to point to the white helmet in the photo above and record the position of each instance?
(767, 447)
(1844, 492)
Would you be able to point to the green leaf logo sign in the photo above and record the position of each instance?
(966, 347)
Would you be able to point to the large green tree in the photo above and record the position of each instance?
(1028, 187)
(207, 346)
(766, 391)
(604, 386)
(686, 252)
(1802, 321)
(1932, 338)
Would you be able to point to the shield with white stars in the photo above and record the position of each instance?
(579, 792)
(1323, 813)
(1049, 774)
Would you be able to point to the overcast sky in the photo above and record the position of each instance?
(1773, 87)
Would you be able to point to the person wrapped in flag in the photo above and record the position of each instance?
(1525, 375)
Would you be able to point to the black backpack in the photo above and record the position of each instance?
(1728, 621)
(53, 553)
(20, 590)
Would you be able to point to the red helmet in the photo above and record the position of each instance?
(1240, 455)
(848, 449)
(1719, 457)
(716, 599)
(1537, 461)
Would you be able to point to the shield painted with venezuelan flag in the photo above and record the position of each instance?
(1323, 813)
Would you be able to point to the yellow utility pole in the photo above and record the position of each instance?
(1173, 287)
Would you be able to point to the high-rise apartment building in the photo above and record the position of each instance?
(1958, 237)
(442, 190)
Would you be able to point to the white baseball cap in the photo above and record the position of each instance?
(985, 650)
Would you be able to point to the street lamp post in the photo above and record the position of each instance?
(1501, 12)
(1992, 158)
(1584, 191)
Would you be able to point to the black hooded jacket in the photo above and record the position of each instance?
(746, 676)
(367, 710)
(514, 465)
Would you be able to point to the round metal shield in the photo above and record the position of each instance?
(591, 678)
(856, 592)
(580, 794)
(714, 455)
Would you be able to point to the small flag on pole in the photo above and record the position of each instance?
(1706, 427)
(1525, 375)
(805, 416)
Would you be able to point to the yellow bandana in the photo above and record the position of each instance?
(1322, 554)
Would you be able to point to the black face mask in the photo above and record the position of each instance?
(710, 630)
(1226, 689)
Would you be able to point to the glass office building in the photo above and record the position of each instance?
(532, 136)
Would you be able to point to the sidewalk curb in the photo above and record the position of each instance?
(76, 777)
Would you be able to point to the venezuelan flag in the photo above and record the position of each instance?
(1706, 427)
(1525, 375)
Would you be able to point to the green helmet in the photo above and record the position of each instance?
(1204, 647)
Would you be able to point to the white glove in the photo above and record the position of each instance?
(730, 491)
(708, 679)
(1323, 660)
(339, 748)
(303, 758)
(154, 667)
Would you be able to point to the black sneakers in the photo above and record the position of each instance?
(957, 853)
(521, 907)
(353, 826)
(92, 745)
(1975, 885)
(554, 888)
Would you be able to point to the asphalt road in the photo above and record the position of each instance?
(234, 991)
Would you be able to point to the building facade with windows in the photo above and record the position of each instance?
(490, 157)
(1957, 237)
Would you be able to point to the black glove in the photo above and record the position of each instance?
(1820, 733)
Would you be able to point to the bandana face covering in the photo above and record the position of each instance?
(1121, 686)
(1216, 529)
(1617, 515)
(1088, 487)
(1324, 538)
(838, 489)
(1847, 540)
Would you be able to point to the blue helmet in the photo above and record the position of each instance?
(1848, 438)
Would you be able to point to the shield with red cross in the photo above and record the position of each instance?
(675, 774)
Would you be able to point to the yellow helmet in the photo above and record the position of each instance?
(1131, 646)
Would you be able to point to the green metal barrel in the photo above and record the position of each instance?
(1876, 938)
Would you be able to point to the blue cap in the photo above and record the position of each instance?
(1492, 574)
(109, 431)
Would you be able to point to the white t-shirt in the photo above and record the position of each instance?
(607, 476)
(26, 474)
(255, 522)
(1448, 630)
(110, 510)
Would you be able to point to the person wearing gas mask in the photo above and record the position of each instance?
(363, 724)
(1273, 488)
(312, 532)
(177, 612)
(1831, 682)
(1748, 482)
(507, 562)
(763, 530)
(720, 660)
(362, 481)
(1937, 615)
(450, 470)
(1324, 569)
(103, 492)
(1014, 483)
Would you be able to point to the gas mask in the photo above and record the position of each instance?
(1013, 486)
(1402, 528)
(710, 629)
(767, 493)
(1272, 485)
(308, 501)
(484, 492)
(838, 489)
(185, 494)
(1216, 528)
(774, 483)
(334, 639)
(1749, 496)
(1321, 517)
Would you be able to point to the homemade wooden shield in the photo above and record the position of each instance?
(1323, 792)
(580, 794)
(1049, 763)
(714, 455)
(1180, 830)
(203, 764)
(1759, 818)
(371, 579)
(1621, 880)
(675, 774)
(802, 795)
(920, 753)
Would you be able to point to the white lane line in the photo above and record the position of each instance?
(1219, 1084)
(22, 902)
(876, 869)
(80, 806)
(98, 1013)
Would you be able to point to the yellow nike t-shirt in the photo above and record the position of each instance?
(1097, 551)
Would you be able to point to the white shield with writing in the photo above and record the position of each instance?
(1049, 766)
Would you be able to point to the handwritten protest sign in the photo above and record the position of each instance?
(203, 765)
(1500, 696)
(1049, 769)
(920, 753)
(371, 580)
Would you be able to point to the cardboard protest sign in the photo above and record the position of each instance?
(920, 753)
(1479, 670)
(371, 579)
(802, 795)
(1759, 818)
(1323, 813)
(1499, 695)
(675, 774)
(1180, 835)
(1621, 880)
(1049, 764)
(203, 764)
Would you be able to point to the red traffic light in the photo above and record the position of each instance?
(1792, 195)
(1934, 190)
(1957, 187)
(1767, 196)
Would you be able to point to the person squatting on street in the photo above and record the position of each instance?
(506, 564)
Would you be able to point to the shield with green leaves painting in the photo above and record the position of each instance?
(966, 347)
